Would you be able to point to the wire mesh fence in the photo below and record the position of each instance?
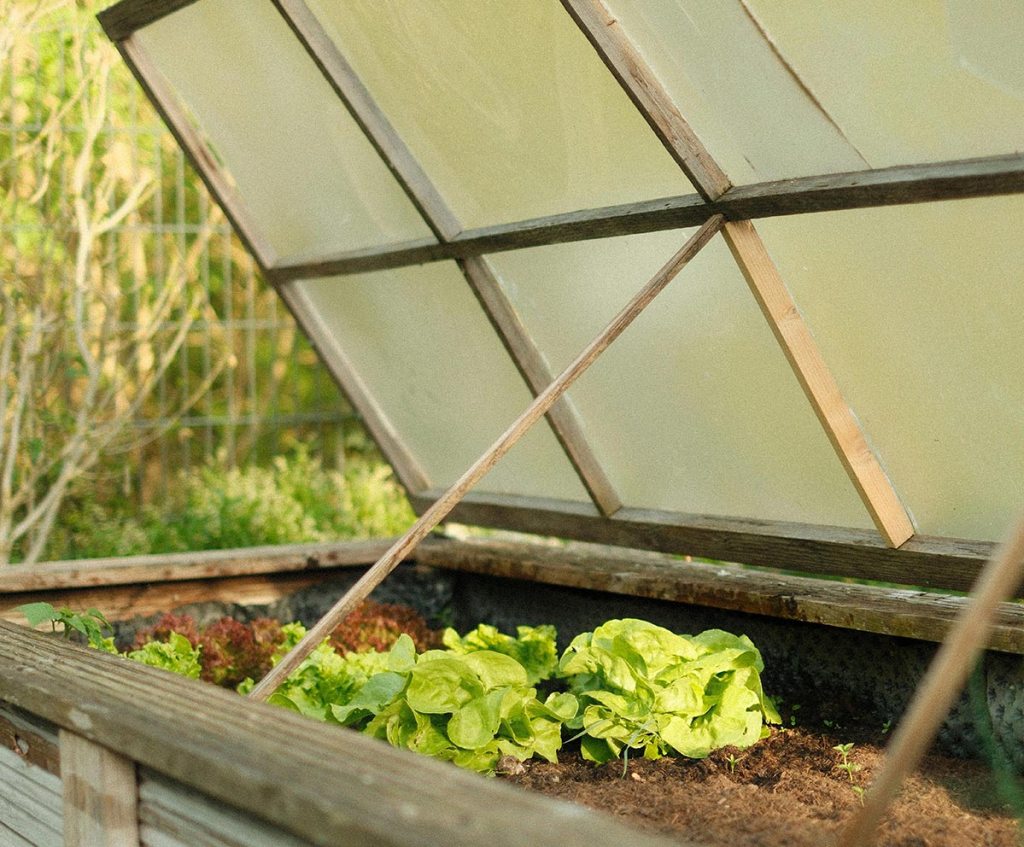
(237, 379)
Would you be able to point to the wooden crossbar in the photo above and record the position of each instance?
(436, 513)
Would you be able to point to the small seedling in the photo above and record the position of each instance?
(886, 727)
(90, 623)
(732, 761)
(850, 768)
(859, 791)
(792, 713)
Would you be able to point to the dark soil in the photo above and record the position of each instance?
(785, 790)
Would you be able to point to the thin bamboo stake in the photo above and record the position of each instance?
(450, 499)
(945, 678)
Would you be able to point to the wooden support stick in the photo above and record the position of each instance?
(436, 513)
(942, 683)
(840, 424)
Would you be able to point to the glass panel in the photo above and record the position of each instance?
(909, 82)
(306, 173)
(744, 102)
(421, 342)
(505, 105)
(694, 408)
(919, 312)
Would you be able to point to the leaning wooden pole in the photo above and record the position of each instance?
(944, 680)
(451, 498)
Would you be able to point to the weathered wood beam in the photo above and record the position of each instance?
(837, 419)
(490, 457)
(164, 99)
(445, 225)
(122, 19)
(202, 736)
(100, 794)
(160, 92)
(371, 119)
(564, 418)
(931, 562)
(393, 447)
(905, 613)
(956, 180)
(621, 57)
(172, 567)
(33, 741)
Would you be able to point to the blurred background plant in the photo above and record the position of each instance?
(142, 360)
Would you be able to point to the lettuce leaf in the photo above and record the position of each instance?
(642, 687)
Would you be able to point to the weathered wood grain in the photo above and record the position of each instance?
(170, 567)
(508, 439)
(100, 794)
(30, 802)
(32, 741)
(905, 613)
(174, 815)
(122, 19)
(370, 118)
(406, 466)
(954, 180)
(317, 782)
(121, 602)
(819, 385)
(648, 95)
(564, 418)
(860, 554)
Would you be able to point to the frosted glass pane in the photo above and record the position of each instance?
(505, 105)
(744, 102)
(694, 408)
(909, 82)
(309, 178)
(422, 344)
(919, 312)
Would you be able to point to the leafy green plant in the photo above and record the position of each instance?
(176, 654)
(214, 506)
(845, 765)
(644, 688)
(470, 709)
(91, 624)
(534, 647)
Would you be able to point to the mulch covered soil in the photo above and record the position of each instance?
(785, 790)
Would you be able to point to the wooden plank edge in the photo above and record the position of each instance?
(563, 417)
(886, 611)
(101, 796)
(407, 468)
(819, 385)
(123, 602)
(356, 98)
(169, 567)
(642, 86)
(931, 562)
(29, 742)
(221, 744)
(901, 185)
(122, 19)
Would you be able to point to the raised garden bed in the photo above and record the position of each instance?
(784, 789)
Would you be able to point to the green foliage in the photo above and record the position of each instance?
(633, 686)
(645, 688)
(215, 507)
(176, 655)
(91, 624)
(470, 709)
(534, 648)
